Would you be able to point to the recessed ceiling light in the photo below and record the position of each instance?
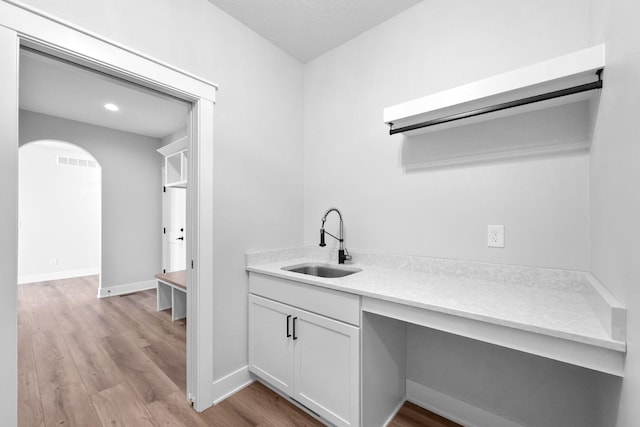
(111, 107)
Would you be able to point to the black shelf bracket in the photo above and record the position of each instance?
(504, 106)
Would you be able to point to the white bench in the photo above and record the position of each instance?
(172, 293)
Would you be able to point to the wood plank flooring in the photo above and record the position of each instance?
(110, 362)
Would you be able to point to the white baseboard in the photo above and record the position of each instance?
(393, 414)
(57, 275)
(231, 384)
(454, 409)
(127, 288)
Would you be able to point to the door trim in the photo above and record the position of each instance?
(43, 32)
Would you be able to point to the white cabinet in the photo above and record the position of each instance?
(176, 169)
(312, 358)
(326, 367)
(175, 163)
(270, 342)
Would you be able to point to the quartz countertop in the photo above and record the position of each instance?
(557, 311)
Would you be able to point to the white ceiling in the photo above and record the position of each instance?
(309, 28)
(56, 88)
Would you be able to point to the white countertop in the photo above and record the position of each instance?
(551, 311)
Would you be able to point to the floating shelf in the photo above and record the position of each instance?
(566, 79)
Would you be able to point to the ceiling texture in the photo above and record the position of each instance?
(308, 28)
(56, 88)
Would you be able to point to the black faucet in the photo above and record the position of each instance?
(343, 254)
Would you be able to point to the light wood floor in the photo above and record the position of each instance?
(110, 362)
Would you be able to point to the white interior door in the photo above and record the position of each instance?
(174, 220)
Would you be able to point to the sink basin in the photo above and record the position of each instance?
(322, 270)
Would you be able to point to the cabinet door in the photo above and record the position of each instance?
(327, 368)
(270, 350)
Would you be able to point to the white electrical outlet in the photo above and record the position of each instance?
(53, 261)
(495, 236)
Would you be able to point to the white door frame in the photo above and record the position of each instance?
(21, 25)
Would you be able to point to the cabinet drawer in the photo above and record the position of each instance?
(327, 302)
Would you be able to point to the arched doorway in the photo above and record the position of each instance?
(59, 206)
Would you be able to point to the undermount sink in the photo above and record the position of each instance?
(322, 270)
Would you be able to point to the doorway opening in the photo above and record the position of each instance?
(105, 306)
(59, 228)
(24, 27)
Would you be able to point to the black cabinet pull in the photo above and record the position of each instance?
(288, 333)
(295, 337)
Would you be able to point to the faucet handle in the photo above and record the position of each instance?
(343, 255)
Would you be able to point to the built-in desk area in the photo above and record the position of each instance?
(172, 293)
(567, 316)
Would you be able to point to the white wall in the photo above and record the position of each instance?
(351, 162)
(615, 180)
(527, 389)
(131, 193)
(257, 134)
(178, 134)
(59, 213)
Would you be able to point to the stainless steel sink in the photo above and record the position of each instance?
(322, 270)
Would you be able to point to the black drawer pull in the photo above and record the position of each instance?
(295, 337)
(288, 333)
